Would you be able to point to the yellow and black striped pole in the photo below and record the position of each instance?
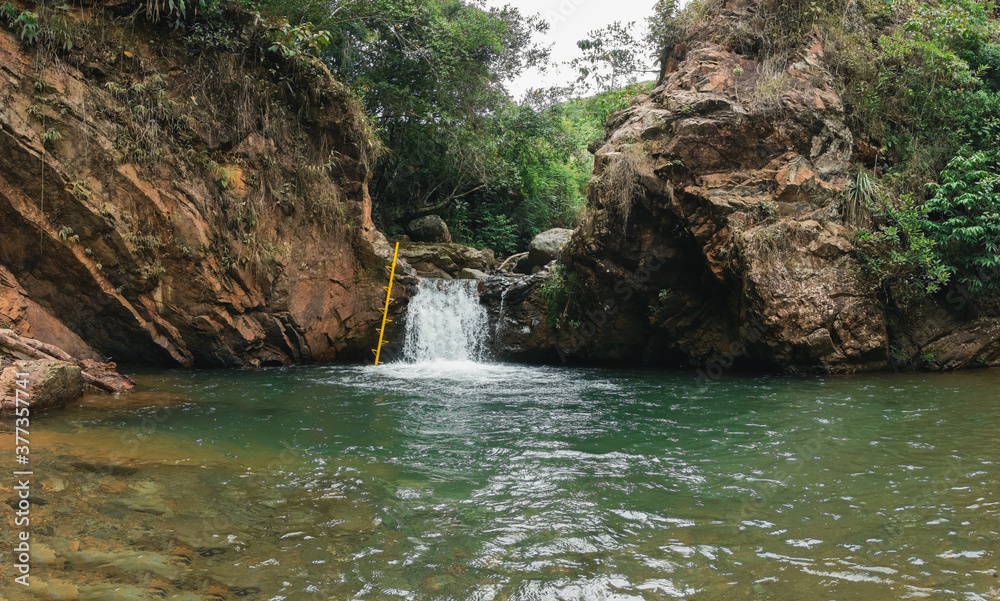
(385, 312)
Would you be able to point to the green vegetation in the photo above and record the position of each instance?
(899, 250)
(47, 28)
(66, 233)
(432, 74)
(924, 90)
(557, 291)
(965, 211)
(550, 167)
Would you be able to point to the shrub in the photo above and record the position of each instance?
(899, 250)
(965, 216)
(557, 292)
(52, 32)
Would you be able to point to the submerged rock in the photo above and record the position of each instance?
(135, 400)
(105, 468)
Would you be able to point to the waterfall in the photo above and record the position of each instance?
(499, 328)
(446, 322)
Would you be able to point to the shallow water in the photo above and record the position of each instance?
(458, 480)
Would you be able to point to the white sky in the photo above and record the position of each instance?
(569, 21)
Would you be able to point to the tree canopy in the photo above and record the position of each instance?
(434, 76)
(432, 73)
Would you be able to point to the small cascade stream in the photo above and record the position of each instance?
(499, 327)
(446, 322)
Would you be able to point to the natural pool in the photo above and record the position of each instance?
(456, 480)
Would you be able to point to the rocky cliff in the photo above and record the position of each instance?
(716, 235)
(191, 196)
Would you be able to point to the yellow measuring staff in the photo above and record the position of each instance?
(385, 312)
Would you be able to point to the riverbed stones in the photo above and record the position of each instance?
(471, 274)
(446, 261)
(50, 384)
(429, 229)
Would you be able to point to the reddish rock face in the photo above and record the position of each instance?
(236, 232)
(729, 245)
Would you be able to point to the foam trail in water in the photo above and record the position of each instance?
(446, 322)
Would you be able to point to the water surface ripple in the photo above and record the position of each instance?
(460, 480)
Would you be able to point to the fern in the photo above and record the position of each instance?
(965, 216)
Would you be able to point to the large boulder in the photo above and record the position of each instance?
(429, 229)
(546, 246)
(50, 384)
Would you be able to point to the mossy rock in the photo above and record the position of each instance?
(51, 384)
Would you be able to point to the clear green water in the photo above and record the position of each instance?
(463, 481)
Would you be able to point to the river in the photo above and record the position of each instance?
(463, 479)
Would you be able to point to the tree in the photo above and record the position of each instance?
(663, 32)
(612, 58)
(432, 73)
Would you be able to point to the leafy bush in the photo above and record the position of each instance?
(899, 249)
(599, 108)
(50, 31)
(557, 292)
(965, 216)
(295, 40)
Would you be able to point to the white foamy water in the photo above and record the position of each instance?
(446, 322)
